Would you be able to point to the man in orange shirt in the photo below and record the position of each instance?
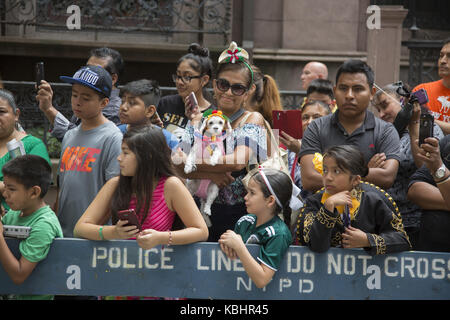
(439, 91)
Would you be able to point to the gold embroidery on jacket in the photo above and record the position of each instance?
(325, 219)
(397, 224)
(379, 243)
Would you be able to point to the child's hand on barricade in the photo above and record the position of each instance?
(125, 232)
(354, 238)
(230, 242)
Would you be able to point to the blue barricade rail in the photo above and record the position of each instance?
(201, 270)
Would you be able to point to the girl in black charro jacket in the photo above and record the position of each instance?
(349, 213)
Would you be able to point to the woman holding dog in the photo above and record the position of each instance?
(248, 140)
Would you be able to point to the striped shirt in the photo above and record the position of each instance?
(159, 216)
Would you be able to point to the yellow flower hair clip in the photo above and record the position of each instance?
(318, 162)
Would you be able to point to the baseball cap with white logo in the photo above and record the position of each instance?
(94, 77)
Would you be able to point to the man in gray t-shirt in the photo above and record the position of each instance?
(88, 152)
(352, 124)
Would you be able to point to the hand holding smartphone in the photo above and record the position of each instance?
(39, 73)
(426, 127)
(193, 102)
(130, 216)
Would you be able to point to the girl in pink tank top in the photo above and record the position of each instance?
(148, 184)
(159, 217)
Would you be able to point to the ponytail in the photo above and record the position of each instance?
(267, 95)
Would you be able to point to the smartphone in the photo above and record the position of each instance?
(421, 96)
(289, 121)
(426, 127)
(130, 216)
(193, 100)
(39, 73)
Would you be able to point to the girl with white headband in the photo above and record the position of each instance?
(270, 192)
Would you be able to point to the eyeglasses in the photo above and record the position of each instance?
(184, 79)
(236, 89)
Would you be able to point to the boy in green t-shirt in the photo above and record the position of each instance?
(27, 179)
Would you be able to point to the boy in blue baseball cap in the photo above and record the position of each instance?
(89, 151)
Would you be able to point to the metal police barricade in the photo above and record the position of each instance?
(202, 270)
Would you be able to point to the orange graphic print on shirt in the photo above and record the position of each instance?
(439, 99)
(78, 159)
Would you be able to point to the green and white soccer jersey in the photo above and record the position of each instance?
(273, 237)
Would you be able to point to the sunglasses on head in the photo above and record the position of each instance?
(236, 89)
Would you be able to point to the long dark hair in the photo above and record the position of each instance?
(282, 187)
(153, 162)
(348, 158)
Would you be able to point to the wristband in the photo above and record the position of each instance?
(100, 232)
(170, 238)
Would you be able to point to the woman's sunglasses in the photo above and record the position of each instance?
(236, 89)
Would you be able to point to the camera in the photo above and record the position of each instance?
(404, 116)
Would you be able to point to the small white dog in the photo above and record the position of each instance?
(208, 144)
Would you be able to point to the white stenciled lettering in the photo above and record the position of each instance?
(217, 261)
(364, 261)
(436, 268)
(74, 280)
(407, 263)
(349, 264)
(147, 263)
(296, 262)
(284, 283)
(247, 285)
(114, 257)
(166, 259)
(308, 263)
(99, 256)
(305, 286)
(293, 257)
(387, 267)
(422, 268)
(223, 260)
(199, 261)
(332, 263)
(127, 265)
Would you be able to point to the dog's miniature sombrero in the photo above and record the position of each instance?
(212, 113)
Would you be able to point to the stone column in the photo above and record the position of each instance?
(384, 44)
